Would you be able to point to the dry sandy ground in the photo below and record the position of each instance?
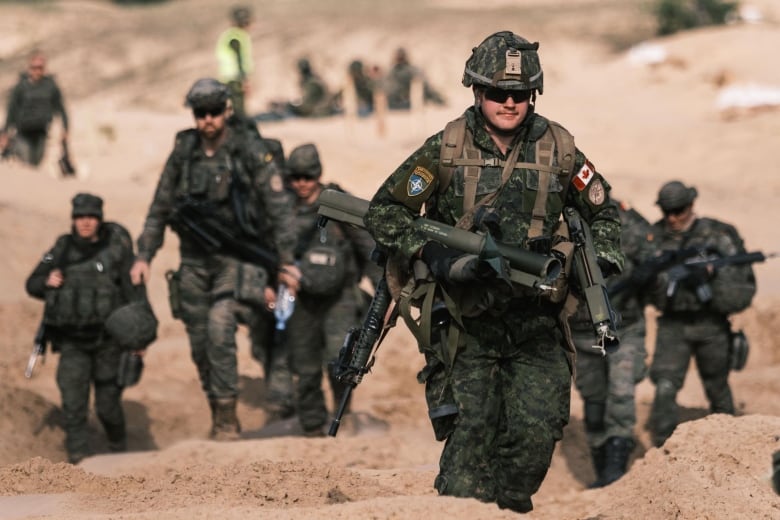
(125, 71)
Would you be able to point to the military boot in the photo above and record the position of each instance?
(616, 453)
(598, 454)
(225, 425)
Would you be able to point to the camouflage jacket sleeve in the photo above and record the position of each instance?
(152, 236)
(277, 205)
(36, 282)
(390, 213)
(58, 104)
(589, 194)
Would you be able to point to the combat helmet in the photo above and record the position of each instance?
(207, 93)
(505, 60)
(87, 205)
(304, 161)
(674, 195)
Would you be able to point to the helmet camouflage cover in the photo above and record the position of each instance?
(505, 60)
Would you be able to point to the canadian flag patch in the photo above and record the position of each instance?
(585, 175)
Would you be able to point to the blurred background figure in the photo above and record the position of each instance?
(234, 56)
(316, 99)
(399, 82)
(365, 83)
(32, 105)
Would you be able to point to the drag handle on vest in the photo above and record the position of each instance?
(39, 350)
(591, 282)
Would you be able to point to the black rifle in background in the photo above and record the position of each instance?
(66, 165)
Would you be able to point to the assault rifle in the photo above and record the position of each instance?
(197, 221)
(39, 350)
(527, 268)
(591, 280)
(696, 270)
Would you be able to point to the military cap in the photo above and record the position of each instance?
(304, 161)
(86, 204)
(207, 93)
(674, 195)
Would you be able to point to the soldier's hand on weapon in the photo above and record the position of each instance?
(290, 275)
(139, 273)
(270, 297)
(55, 278)
(450, 265)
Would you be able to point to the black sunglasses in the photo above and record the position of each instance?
(499, 95)
(675, 211)
(200, 113)
(298, 177)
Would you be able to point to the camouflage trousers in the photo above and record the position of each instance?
(511, 384)
(705, 337)
(29, 146)
(607, 383)
(212, 316)
(315, 335)
(83, 364)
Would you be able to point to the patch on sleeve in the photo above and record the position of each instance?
(584, 176)
(419, 180)
(276, 182)
(266, 157)
(596, 193)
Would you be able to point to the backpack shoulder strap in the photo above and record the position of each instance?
(451, 148)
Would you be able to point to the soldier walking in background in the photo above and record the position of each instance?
(695, 309)
(607, 382)
(83, 279)
(332, 261)
(234, 57)
(227, 172)
(33, 103)
(498, 378)
(398, 83)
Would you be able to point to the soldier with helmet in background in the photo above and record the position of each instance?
(694, 320)
(234, 57)
(229, 172)
(332, 261)
(84, 281)
(498, 381)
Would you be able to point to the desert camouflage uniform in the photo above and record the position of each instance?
(606, 383)
(511, 380)
(96, 281)
(689, 327)
(317, 328)
(209, 309)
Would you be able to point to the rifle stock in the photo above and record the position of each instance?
(526, 268)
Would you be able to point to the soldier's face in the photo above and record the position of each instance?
(678, 219)
(210, 122)
(86, 227)
(503, 109)
(304, 186)
(36, 68)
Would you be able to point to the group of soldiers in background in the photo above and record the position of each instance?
(249, 245)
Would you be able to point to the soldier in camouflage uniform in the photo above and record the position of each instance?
(606, 382)
(316, 98)
(227, 167)
(83, 278)
(332, 261)
(501, 399)
(694, 318)
(32, 104)
(398, 83)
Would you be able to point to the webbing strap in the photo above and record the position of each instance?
(545, 152)
(451, 148)
(471, 179)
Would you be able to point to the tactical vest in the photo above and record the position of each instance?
(226, 56)
(90, 292)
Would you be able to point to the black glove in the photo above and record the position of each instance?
(452, 265)
(606, 267)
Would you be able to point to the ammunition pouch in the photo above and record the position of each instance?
(174, 293)
(739, 348)
(250, 285)
(130, 368)
(442, 409)
(323, 270)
